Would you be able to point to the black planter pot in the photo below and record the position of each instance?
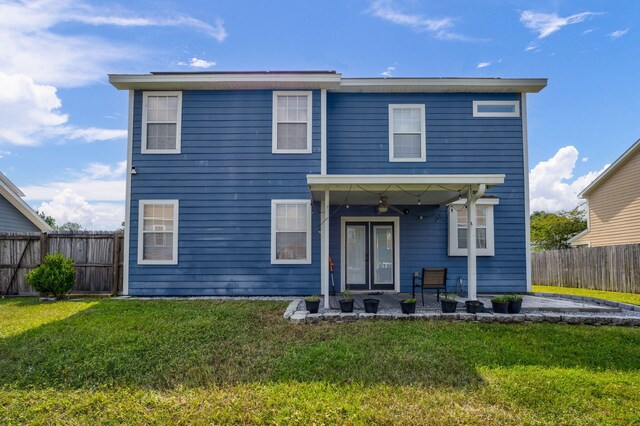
(474, 306)
(312, 306)
(515, 306)
(371, 306)
(448, 306)
(346, 305)
(500, 307)
(408, 308)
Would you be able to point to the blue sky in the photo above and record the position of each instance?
(63, 127)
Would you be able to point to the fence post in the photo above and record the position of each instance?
(44, 243)
(116, 263)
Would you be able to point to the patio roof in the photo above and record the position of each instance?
(398, 189)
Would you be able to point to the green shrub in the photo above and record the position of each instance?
(409, 301)
(312, 299)
(514, 298)
(56, 276)
(501, 299)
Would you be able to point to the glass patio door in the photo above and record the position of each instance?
(369, 256)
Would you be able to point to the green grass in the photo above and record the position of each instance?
(631, 298)
(238, 362)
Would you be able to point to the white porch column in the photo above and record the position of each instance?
(471, 246)
(324, 243)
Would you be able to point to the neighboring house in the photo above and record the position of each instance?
(15, 214)
(244, 183)
(613, 200)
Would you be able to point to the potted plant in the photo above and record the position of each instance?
(346, 303)
(312, 303)
(371, 306)
(55, 277)
(500, 304)
(515, 304)
(448, 303)
(474, 306)
(408, 306)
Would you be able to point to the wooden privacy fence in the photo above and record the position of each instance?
(611, 268)
(98, 257)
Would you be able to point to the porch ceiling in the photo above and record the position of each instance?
(398, 189)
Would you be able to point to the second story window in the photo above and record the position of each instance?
(161, 122)
(407, 140)
(291, 123)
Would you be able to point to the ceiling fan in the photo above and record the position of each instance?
(384, 206)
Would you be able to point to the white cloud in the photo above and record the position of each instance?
(198, 63)
(388, 72)
(549, 182)
(69, 206)
(31, 113)
(31, 45)
(585, 159)
(618, 33)
(96, 182)
(589, 31)
(483, 64)
(439, 28)
(546, 24)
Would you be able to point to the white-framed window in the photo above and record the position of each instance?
(158, 232)
(407, 135)
(161, 122)
(290, 231)
(458, 236)
(496, 108)
(292, 121)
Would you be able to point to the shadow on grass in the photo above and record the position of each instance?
(169, 344)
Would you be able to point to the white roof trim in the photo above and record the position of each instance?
(611, 169)
(578, 236)
(321, 80)
(454, 182)
(485, 201)
(14, 197)
(483, 85)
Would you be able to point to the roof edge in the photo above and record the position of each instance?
(610, 170)
(7, 192)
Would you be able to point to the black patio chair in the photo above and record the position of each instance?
(432, 279)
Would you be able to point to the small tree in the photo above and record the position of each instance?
(49, 219)
(56, 276)
(70, 226)
(552, 231)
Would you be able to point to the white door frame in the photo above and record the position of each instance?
(396, 247)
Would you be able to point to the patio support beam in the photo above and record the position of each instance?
(324, 244)
(471, 241)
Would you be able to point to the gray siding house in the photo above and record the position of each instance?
(247, 183)
(15, 214)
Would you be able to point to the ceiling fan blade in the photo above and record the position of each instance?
(397, 210)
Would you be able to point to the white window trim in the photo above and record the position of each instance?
(145, 96)
(275, 261)
(454, 250)
(515, 113)
(274, 124)
(423, 133)
(176, 208)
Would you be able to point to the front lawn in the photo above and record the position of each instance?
(221, 362)
(631, 298)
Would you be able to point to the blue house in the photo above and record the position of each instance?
(15, 214)
(246, 183)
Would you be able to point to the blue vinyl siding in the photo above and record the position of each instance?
(225, 178)
(11, 220)
(456, 143)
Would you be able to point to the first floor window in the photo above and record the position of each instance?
(290, 231)
(158, 232)
(161, 122)
(459, 228)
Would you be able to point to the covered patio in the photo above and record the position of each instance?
(383, 193)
